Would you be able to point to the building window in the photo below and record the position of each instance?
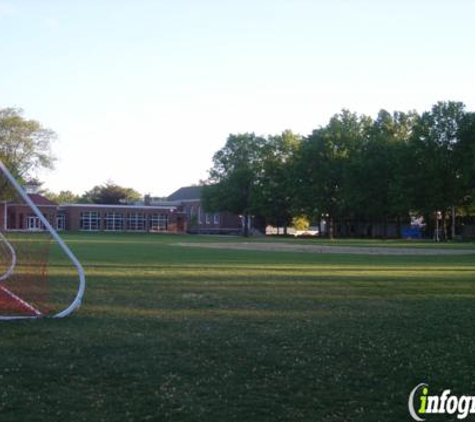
(200, 220)
(136, 221)
(159, 222)
(61, 222)
(89, 221)
(208, 218)
(114, 221)
(34, 223)
(216, 219)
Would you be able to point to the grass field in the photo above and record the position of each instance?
(169, 333)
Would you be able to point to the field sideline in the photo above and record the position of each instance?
(172, 333)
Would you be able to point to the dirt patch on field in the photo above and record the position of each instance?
(287, 247)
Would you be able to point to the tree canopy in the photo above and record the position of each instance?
(233, 177)
(25, 145)
(63, 197)
(355, 168)
(110, 193)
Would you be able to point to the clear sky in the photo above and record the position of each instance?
(144, 92)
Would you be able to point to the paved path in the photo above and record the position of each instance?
(356, 250)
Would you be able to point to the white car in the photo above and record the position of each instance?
(311, 231)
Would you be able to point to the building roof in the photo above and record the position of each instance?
(40, 200)
(170, 207)
(187, 193)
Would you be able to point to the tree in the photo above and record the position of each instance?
(437, 175)
(233, 177)
(300, 222)
(63, 197)
(276, 182)
(110, 193)
(321, 165)
(465, 150)
(25, 145)
(375, 183)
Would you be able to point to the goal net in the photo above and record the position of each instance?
(39, 275)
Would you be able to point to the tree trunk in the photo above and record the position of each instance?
(330, 228)
(430, 225)
(453, 222)
(398, 227)
(444, 224)
(439, 231)
(385, 227)
(246, 225)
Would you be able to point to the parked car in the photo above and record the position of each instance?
(311, 231)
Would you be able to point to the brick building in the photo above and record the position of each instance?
(198, 219)
(181, 212)
(137, 218)
(18, 216)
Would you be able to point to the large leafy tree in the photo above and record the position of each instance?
(25, 145)
(274, 197)
(110, 193)
(322, 165)
(376, 189)
(437, 175)
(233, 177)
(465, 150)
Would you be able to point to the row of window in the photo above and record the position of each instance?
(117, 221)
(33, 223)
(209, 218)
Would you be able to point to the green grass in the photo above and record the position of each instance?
(186, 334)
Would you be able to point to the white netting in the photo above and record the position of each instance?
(38, 274)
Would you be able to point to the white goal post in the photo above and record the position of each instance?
(11, 250)
(10, 270)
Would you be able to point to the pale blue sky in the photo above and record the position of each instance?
(144, 92)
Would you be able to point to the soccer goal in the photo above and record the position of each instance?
(39, 275)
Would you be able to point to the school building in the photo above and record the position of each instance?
(181, 212)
